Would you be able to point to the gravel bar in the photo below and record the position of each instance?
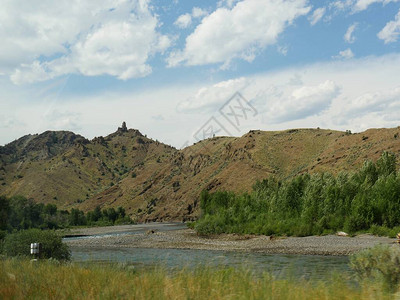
(188, 239)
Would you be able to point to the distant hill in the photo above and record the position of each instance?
(154, 181)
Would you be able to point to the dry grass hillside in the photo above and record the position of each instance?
(154, 181)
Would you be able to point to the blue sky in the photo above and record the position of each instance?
(167, 67)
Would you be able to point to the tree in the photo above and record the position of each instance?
(386, 164)
(18, 244)
(77, 217)
(4, 212)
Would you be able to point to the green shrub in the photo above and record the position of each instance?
(310, 204)
(123, 221)
(18, 244)
(380, 263)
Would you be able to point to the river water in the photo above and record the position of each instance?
(280, 265)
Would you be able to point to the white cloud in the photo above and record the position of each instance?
(227, 3)
(239, 32)
(390, 33)
(351, 94)
(364, 4)
(317, 15)
(341, 5)
(206, 99)
(348, 37)
(345, 54)
(303, 102)
(279, 103)
(183, 21)
(45, 39)
(63, 120)
(382, 100)
(356, 6)
(198, 12)
(283, 50)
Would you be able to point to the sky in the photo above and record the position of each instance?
(184, 70)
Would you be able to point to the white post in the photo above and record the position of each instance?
(35, 250)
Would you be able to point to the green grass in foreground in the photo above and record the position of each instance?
(20, 279)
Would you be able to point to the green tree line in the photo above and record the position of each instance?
(19, 213)
(368, 199)
(23, 221)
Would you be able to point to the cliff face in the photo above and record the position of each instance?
(154, 181)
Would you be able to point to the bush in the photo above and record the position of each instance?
(123, 221)
(380, 263)
(18, 244)
(368, 199)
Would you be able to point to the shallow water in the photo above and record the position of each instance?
(281, 265)
(305, 266)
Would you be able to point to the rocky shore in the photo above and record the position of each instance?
(159, 236)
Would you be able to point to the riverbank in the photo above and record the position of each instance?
(163, 236)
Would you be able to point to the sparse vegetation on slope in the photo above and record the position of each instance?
(154, 182)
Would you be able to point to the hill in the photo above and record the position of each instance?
(154, 181)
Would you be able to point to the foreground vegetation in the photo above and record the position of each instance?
(18, 244)
(50, 280)
(368, 199)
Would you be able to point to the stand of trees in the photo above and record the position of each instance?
(368, 199)
(19, 213)
(23, 221)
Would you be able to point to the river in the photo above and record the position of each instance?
(280, 265)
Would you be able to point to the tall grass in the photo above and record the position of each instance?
(21, 279)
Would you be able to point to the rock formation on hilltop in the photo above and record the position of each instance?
(123, 128)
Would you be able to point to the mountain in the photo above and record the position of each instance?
(154, 181)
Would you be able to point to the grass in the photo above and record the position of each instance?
(21, 279)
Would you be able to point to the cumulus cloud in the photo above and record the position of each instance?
(227, 3)
(376, 102)
(345, 54)
(382, 106)
(317, 15)
(279, 103)
(198, 12)
(353, 94)
(63, 120)
(341, 5)
(356, 6)
(283, 50)
(390, 33)
(238, 32)
(185, 20)
(348, 36)
(303, 102)
(46, 39)
(364, 4)
(209, 99)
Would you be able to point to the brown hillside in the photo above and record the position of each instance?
(154, 181)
